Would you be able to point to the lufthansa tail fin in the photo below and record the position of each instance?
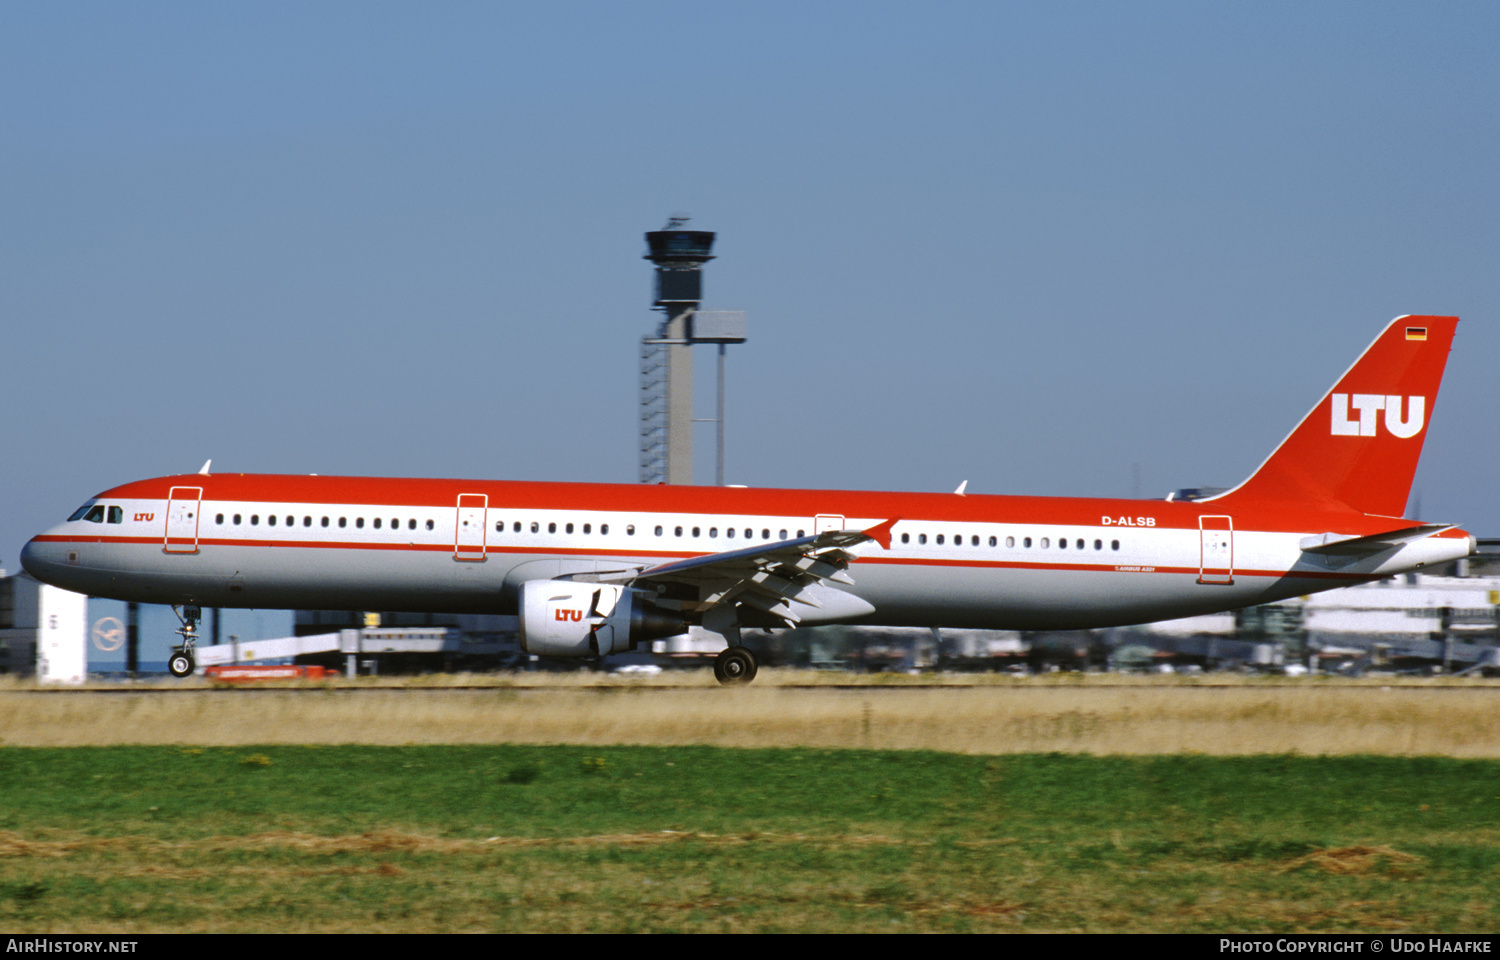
(1359, 446)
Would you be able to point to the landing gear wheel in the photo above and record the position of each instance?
(735, 665)
(181, 664)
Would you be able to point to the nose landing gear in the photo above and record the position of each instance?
(182, 662)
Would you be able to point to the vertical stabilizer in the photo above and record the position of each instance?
(1360, 445)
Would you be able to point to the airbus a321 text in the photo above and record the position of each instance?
(595, 569)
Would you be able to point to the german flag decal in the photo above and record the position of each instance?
(1416, 333)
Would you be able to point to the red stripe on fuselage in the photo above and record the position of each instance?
(376, 492)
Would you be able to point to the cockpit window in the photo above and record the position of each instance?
(78, 514)
(95, 514)
(116, 514)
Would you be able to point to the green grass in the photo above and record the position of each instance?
(512, 838)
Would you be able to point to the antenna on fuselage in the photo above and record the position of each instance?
(204, 472)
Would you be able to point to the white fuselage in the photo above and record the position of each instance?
(1136, 562)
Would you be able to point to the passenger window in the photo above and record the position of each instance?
(236, 519)
(1062, 543)
(658, 531)
(677, 531)
(307, 521)
(801, 534)
(603, 530)
(765, 534)
(940, 539)
(429, 525)
(359, 522)
(1046, 542)
(568, 528)
(729, 532)
(713, 532)
(1027, 543)
(783, 535)
(412, 524)
(377, 523)
(588, 528)
(1114, 544)
(325, 521)
(906, 538)
(921, 538)
(343, 522)
(1010, 542)
(535, 527)
(219, 519)
(1098, 544)
(974, 541)
(254, 519)
(551, 528)
(695, 531)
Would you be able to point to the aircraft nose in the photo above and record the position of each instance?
(39, 559)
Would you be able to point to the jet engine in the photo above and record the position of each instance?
(571, 618)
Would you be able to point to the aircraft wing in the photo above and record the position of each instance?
(1338, 544)
(789, 579)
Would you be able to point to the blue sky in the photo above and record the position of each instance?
(1045, 248)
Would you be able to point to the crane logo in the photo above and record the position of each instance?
(1369, 405)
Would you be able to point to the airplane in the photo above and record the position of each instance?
(594, 569)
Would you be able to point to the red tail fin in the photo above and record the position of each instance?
(1360, 445)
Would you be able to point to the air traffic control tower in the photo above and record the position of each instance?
(667, 356)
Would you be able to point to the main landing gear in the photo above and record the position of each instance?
(735, 665)
(182, 662)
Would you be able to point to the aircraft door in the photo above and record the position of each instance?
(469, 536)
(182, 520)
(1216, 539)
(827, 521)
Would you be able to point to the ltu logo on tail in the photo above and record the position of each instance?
(1368, 405)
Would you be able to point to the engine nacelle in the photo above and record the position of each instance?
(573, 618)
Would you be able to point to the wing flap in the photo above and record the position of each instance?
(790, 580)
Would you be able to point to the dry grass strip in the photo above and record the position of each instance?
(14, 845)
(1347, 861)
(1311, 719)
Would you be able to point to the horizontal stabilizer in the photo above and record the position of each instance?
(1338, 544)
